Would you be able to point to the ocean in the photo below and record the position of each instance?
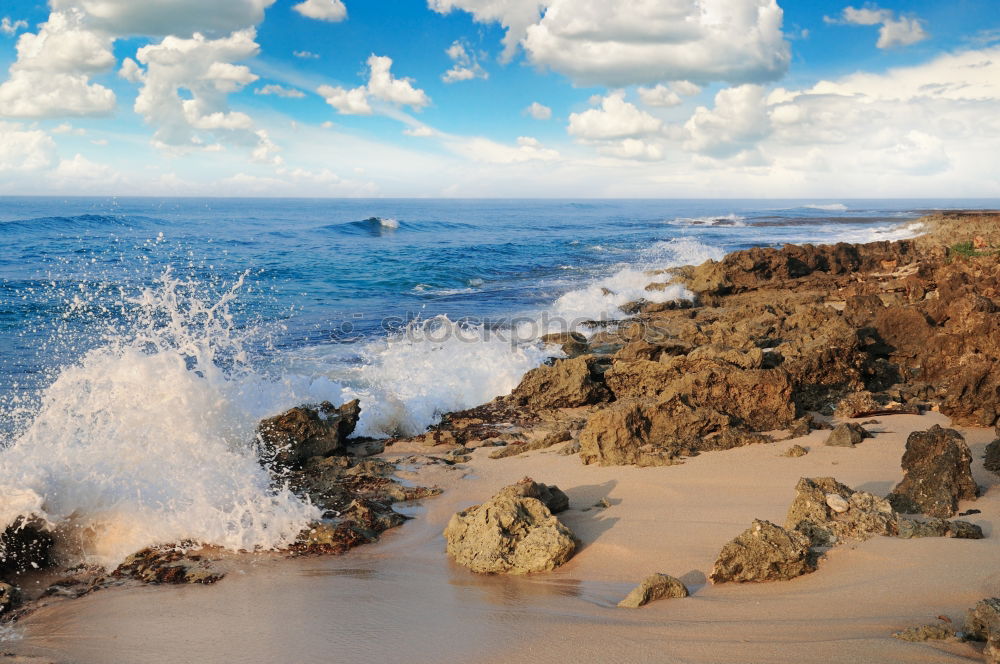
(142, 339)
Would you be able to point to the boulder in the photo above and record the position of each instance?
(512, 533)
(991, 461)
(293, 437)
(566, 384)
(764, 552)
(652, 588)
(848, 434)
(571, 343)
(550, 495)
(827, 512)
(937, 474)
(982, 623)
(168, 565)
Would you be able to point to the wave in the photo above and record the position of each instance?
(889, 233)
(733, 220)
(78, 222)
(147, 438)
(380, 226)
(828, 207)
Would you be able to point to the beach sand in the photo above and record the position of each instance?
(403, 600)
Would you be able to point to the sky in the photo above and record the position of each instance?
(500, 98)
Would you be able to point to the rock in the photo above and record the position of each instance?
(571, 343)
(795, 451)
(846, 435)
(827, 512)
(764, 552)
(566, 384)
(982, 623)
(910, 528)
(936, 474)
(541, 443)
(168, 565)
(512, 533)
(991, 462)
(857, 404)
(925, 633)
(550, 495)
(652, 588)
(8, 597)
(300, 433)
(25, 545)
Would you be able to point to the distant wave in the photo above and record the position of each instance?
(378, 226)
(78, 222)
(829, 207)
(724, 220)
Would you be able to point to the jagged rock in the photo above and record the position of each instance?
(300, 433)
(25, 545)
(542, 443)
(937, 474)
(8, 597)
(565, 384)
(856, 404)
(764, 552)
(909, 528)
(167, 565)
(571, 343)
(795, 451)
(991, 462)
(826, 512)
(846, 435)
(652, 588)
(550, 495)
(925, 633)
(982, 623)
(512, 533)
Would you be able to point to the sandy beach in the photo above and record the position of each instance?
(404, 595)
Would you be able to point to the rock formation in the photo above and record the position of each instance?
(982, 623)
(937, 474)
(846, 435)
(295, 436)
(764, 552)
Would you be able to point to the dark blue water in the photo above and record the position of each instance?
(329, 272)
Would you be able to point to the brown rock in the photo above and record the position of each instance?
(846, 435)
(764, 552)
(652, 588)
(982, 623)
(566, 384)
(296, 435)
(991, 462)
(168, 565)
(937, 474)
(827, 512)
(857, 404)
(795, 451)
(571, 343)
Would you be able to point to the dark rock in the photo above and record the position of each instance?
(982, 623)
(846, 435)
(300, 433)
(168, 565)
(652, 588)
(909, 528)
(764, 552)
(9, 596)
(25, 545)
(991, 462)
(937, 474)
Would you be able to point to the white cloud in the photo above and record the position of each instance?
(306, 55)
(24, 149)
(514, 15)
(322, 10)
(381, 86)
(616, 119)
(10, 27)
(131, 71)
(666, 96)
(539, 111)
(280, 91)
(901, 31)
(489, 151)
(466, 66)
(51, 74)
(81, 168)
(596, 42)
(738, 121)
(159, 18)
(421, 131)
(66, 128)
(635, 149)
(204, 69)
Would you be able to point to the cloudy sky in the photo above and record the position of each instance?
(471, 98)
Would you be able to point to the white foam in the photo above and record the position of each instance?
(889, 233)
(146, 440)
(829, 207)
(388, 222)
(731, 219)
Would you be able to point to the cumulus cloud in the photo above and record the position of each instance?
(81, 168)
(539, 111)
(666, 96)
(615, 119)
(279, 91)
(486, 150)
(204, 69)
(51, 76)
(381, 86)
(23, 149)
(894, 31)
(322, 10)
(596, 42)
(10, 27)
(738, 120)
(466, 66)
(514, 15)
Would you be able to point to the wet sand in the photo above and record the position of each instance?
(403, 600)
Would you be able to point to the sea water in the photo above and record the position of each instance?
(143, 339)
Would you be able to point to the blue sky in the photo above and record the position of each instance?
(672, 98)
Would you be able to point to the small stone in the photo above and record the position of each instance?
(837, 503)
(795, 451)
(652, 588)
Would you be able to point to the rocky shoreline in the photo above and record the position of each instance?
(776, 343)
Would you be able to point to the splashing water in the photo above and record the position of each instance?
(145, 439)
